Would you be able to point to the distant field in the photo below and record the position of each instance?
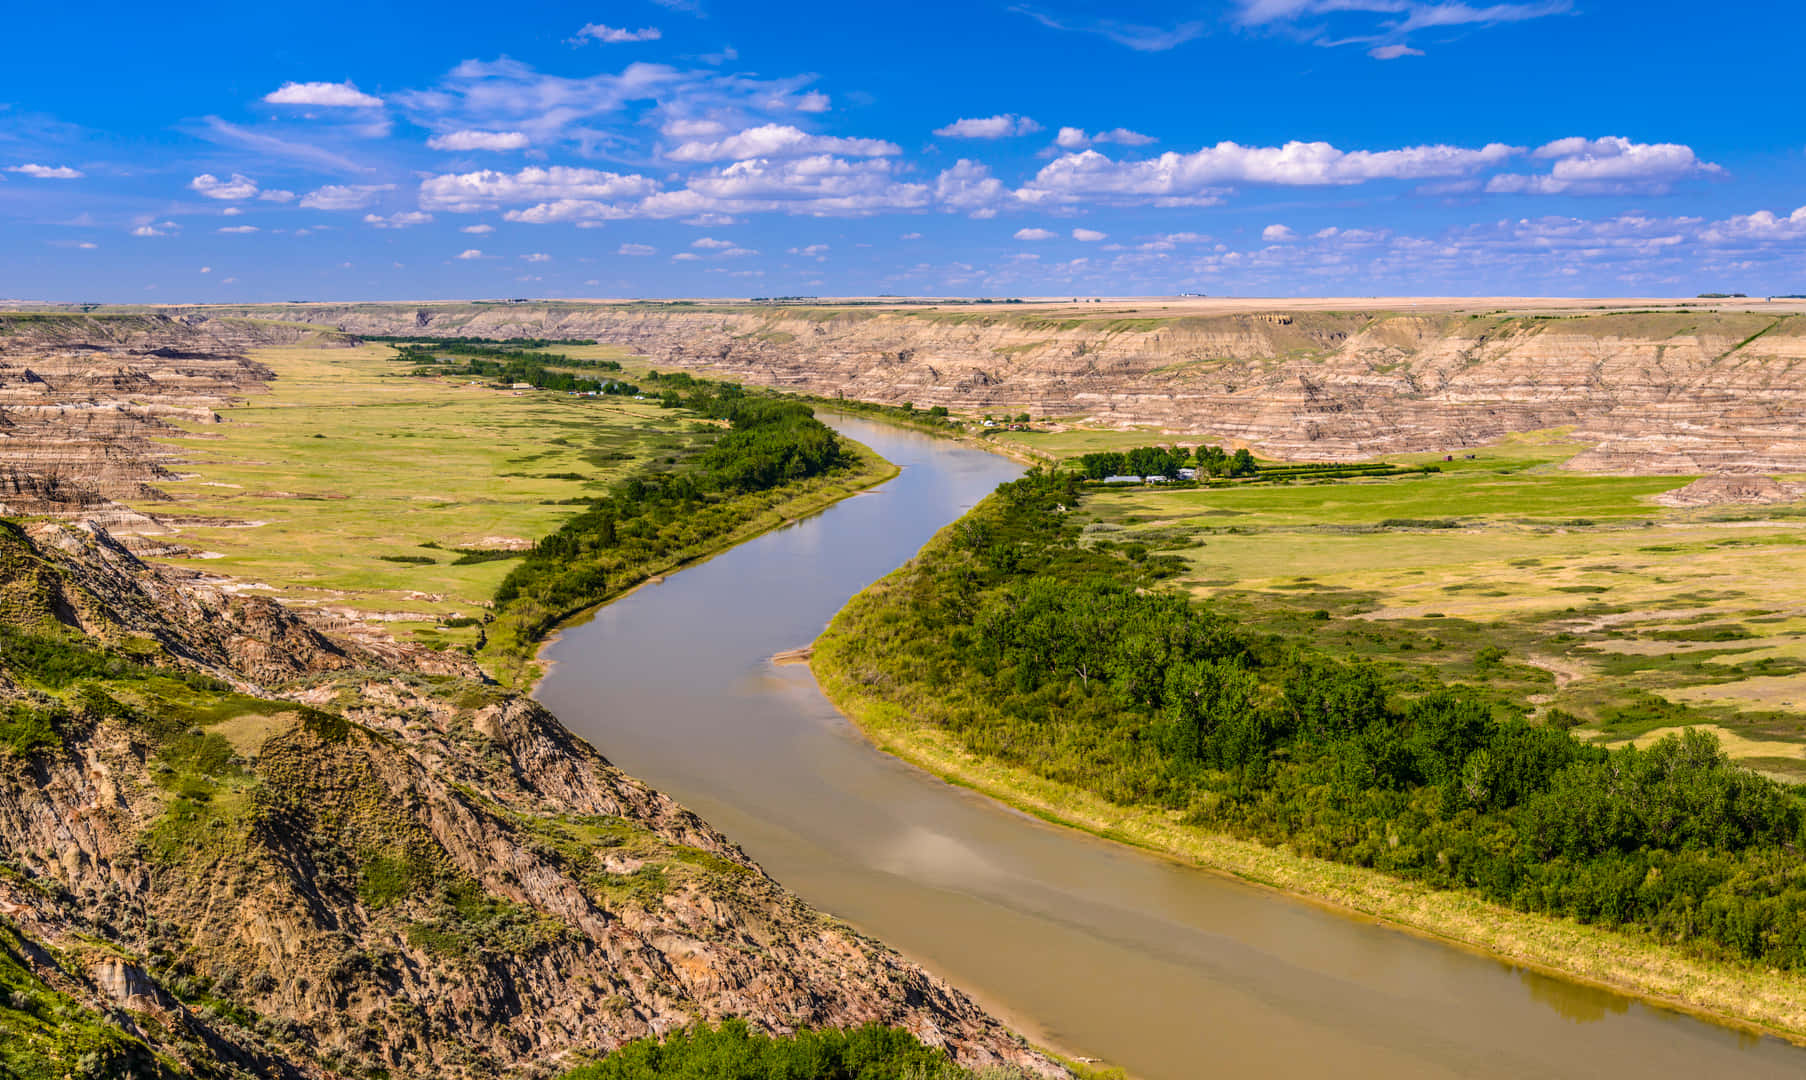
(348, 460)
(1632, 616)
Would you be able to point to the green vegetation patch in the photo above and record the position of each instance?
(1028, 649)
(734, 1051)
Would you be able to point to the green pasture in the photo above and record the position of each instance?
(303, 490)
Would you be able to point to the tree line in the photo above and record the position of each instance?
(1167, 461)
(541, 370)
(648, 518)
(1037, 648)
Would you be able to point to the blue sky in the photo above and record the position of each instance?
(709, 148)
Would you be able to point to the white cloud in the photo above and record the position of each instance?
(1609, 166)
(1035, 234)
(343, 196)
(231, 211)
(87, 245)
(537, 257)
(685, 256)
(1277, 234)
(46, 172)
(477, 230)
(1089, 236)
(479, 140)
(486, 189)
(989, 127)
(468, 253)
(910, 236)
(812, 251)
(148, 230)
(969, 186)
(1071, 138)
(399, 220)
(711, 243)
(813, 102)
(276, 195)
(206, 269)
(239, 186)
(1198, 178)
(1393, 51)
(324, 94)
(822, 185)
(612, 35)
(779, 140)
(1762, 226)
(636, 249)
(238, 229)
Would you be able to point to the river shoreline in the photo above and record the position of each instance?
(873, 470)
(1756, 1002)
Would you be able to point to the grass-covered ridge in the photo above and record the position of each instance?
(1014, 639)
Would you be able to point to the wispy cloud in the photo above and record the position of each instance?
(1141, 37)
(344, 196)
(1383, 25)
(46, 172)
(615, 35)
(776, 141)
(1000, 126)
(479, 140)
(220, 131)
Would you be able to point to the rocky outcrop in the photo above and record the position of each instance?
(348, 865)
(1666, 391)
(84, 400)
(1744, 490)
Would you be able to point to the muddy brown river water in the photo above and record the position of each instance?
(1101, 950)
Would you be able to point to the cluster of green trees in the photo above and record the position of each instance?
(541, 370)
(463, 342)
(1166, 461)
(733, 1051)
(1034, 648)
(644, 519)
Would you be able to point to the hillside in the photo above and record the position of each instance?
(236, 842)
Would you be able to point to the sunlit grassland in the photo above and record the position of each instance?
(348, 459)
(1632, 616)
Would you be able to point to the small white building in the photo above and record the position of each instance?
(1122, 479)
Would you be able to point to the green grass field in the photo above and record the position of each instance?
(1632, 616)
(347, 460)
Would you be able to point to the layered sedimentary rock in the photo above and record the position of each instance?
(83, 400)
(1671, 391)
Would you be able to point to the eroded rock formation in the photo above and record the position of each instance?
(1669, 391)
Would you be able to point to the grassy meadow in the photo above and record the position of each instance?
(1574, 592)
(316, 490)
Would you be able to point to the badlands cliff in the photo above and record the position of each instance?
(1672, 390)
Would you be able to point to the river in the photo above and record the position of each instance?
(1101, 950)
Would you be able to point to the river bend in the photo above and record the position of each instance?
(1098, 949)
